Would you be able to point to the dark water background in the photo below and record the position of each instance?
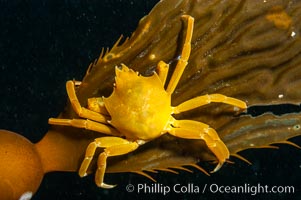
(45, 43)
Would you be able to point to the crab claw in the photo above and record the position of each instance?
(106, 186)
(221, 152)
(218, 166)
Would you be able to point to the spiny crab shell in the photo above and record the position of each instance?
(139, 106)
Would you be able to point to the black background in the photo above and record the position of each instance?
(45, 43)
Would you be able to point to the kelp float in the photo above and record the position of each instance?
(249, 50)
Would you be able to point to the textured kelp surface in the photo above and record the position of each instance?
(236, 44)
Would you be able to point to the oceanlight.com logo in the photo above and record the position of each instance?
(191, 188)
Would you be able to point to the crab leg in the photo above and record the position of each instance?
(114, 146)
(207, 99)
(183, 60)
(189, 129)
(81, 111)
(162, 71)
(86, 124)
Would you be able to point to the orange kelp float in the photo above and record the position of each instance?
(230, 52)
(21, 168)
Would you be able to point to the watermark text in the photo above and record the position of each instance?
(191, 188)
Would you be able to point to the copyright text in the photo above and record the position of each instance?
(191, 188)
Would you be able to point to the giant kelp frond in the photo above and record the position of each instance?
(241, 158)
(266, 146)
(145, 175)
(265, 131)
(107, 54)
(170, 169)
(289, 143)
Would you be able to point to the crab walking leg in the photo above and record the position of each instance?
(207, 99)
(162, 71)
(81, 111)
(183, 57)
(189, 129)
(86, 124)
(114, 146)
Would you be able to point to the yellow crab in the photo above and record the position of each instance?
(139, 110)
